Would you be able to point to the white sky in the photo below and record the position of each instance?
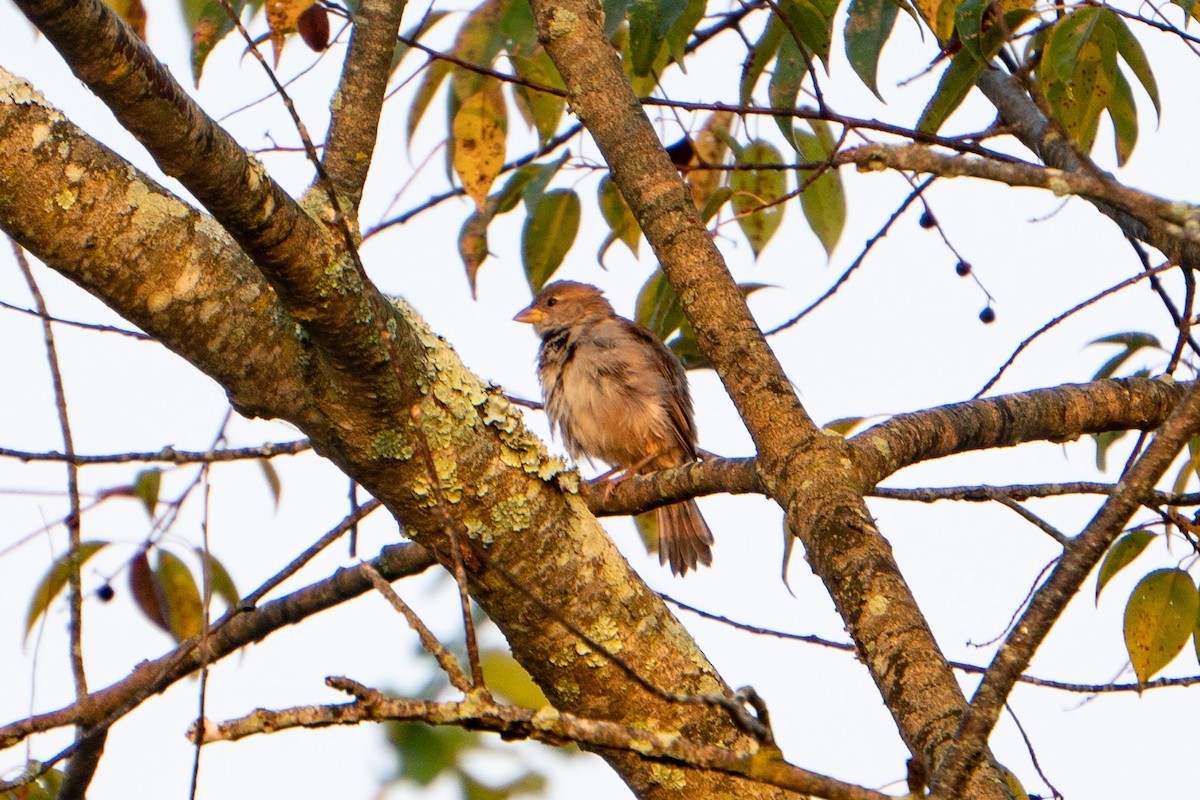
(902, 335)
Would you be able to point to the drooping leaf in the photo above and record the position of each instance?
(844, 426)
(758, 192)
(1103, 442)
(1131, 342)
(509, 679)
(680, 32)
(759, 56)
(548, 234)
(147, 591)
(427, 752)
(614, 15)
(1130, 50)
(822, 196)
(785, 85)
(1122, 111)
(222, 583)
(1120, 555)
(534, 189)
(647, 528)
(1078, 71)
(710, 146)
(146, 487)
(478, 133)
(132, 12)
(473, 245)
(55, 580)
(1189, 10)
(546, 109)
(435, 72)
(969, 22)
(869, 23)
(623, 226)
(272, 478)
(955, 84)
(185, 610)
(1159, 620)
(1190, 467)
(812, 22)
(649, 22)
(479, 40)
(657, 306)
(208, 23)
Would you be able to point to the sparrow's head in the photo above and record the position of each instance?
(565, 303)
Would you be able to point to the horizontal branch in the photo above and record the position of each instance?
(168, 455)
(1173, 219)
(549, 726)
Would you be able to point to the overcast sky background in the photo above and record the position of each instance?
(902, 335)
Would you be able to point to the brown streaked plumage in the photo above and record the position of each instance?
(616, 393)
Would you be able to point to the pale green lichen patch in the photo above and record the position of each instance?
(668, 777)
(389, 445)
(565, 657)
(569, 691)
(447, 473)
(500, 414)
(14, 91)
(512, 514)
(562, 22)
(66, 198)
(606, 633)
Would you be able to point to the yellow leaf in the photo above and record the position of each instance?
(479, 132)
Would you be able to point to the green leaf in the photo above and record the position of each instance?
(759, 56)
(546, 109)
(208, 23)
(717, 199)
(145, 488)
(1131, 51)
(1078, 71)
(968, 21)
(1132, 342)
(757, 193)
(647, 528)
(955, 84)
(845, 425)
(657, 306)
(1189, 11)
(869, 23)
(548, 234)
(1190, 467)
(620, 219)
(427, 752)
(1103, 442)
(649, 21)
(812, 22)
(45, 787)
(479, 40)
(1159, 620)
(435, 73)
(1122, 111)
(785, 84)
(222, 583)
(55, 580)
(682, 30)
(614, 15)
(1120, 555)
(823, 198)
(534, 189)
(505, 676)
(185, 610)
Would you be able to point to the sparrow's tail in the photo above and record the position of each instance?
(684, 540)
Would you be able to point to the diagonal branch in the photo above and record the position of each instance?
(354, 122)
(1051, 598)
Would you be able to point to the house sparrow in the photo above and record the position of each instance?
(616, 393)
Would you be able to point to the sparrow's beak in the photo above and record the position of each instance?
(532, 315)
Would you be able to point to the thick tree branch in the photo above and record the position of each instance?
(1161, 220)
(354, 121)
(1028, 124)
(497, 488)
(809, 473)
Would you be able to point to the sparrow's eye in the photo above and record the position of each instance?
(551, 301)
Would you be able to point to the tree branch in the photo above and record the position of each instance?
(354, 122)
(1061, 586)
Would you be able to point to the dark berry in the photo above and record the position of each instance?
(105, 593)
(963, 268)
(927, 220)
(987, 316)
